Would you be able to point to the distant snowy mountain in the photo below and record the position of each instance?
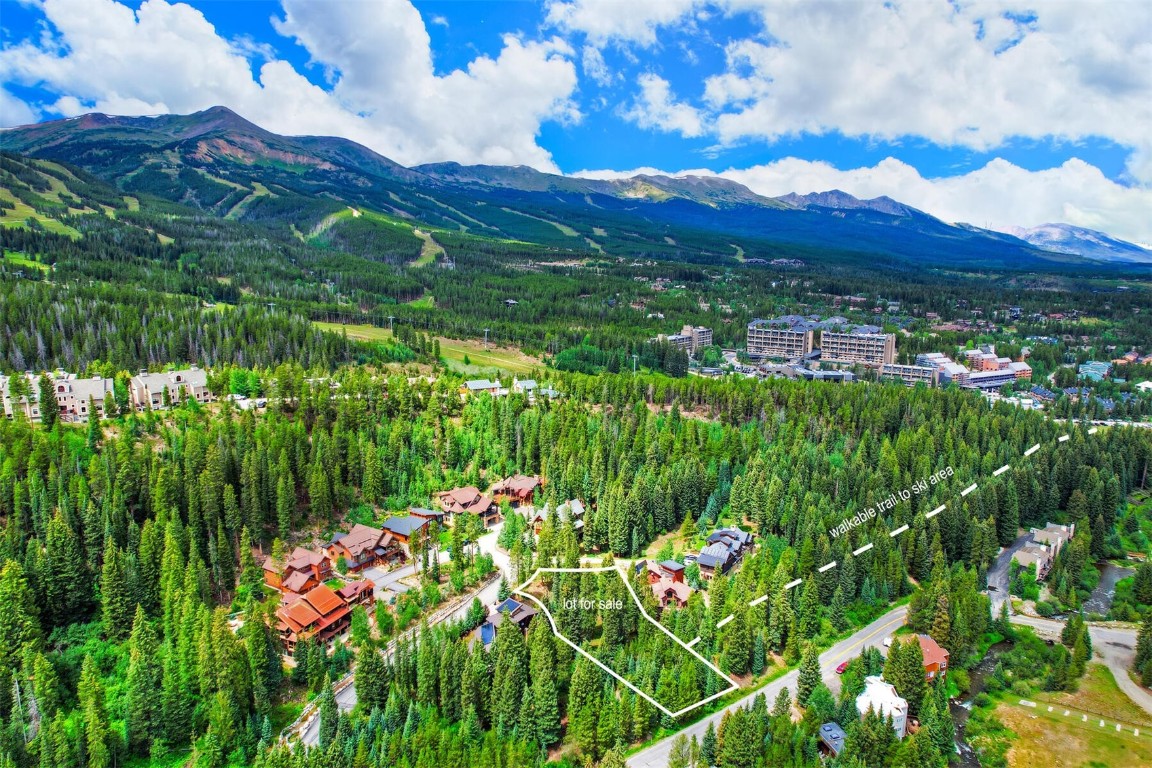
(839, 200)
(1087, 243)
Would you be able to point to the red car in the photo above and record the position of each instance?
(842, 666)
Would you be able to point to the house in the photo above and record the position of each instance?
(509, 610)
(518, 489)
(881, 697)
(935, 658)
(832, 739)
(476, 386)
(320, 614)
(725, 548)
(524, 386)
(364, 546)
(428, 514)
(669, 592)
(1037, 555)
(668, 569)
(160, 390)
(469, 499)
(573, 510)
(362, 592)
(407, 529)
(1144, 386)
(301, 571)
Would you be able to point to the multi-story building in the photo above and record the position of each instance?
(161, 390)
(27, 403)
(787, 338)
(690, 338)
(73, 394)
(881, 698)
(863, 344)
(910, 374)
(989, 379)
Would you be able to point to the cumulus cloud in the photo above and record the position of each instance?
(998, 196)
(382, 89)
(655, 107)
(972, 73)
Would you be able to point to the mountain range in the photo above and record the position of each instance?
(224, 165)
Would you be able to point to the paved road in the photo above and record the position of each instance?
(346, 697)
(998, 575)
(656, 755)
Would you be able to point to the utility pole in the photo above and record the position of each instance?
(635, 357)
(390, 319)
(485, 338)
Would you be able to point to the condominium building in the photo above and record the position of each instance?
(73, 394)
(863, 344)
(910, 374)
(149, 389)
(989, 379)
(787, 338)
(690, 338)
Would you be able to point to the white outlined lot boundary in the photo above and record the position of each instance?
(521, 590)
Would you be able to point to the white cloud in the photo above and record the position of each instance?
(13, 111)
(998, 196)
(972, 73)
(655, 107)
(594, 66)
(383, 91)
(604, 21)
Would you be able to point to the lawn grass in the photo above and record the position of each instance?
(16, 217)
(427, 301)
(1099, 694)
(360, 332)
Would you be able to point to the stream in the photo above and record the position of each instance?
(961, 709)
(1100, 601)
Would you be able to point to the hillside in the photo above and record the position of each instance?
(218, 163)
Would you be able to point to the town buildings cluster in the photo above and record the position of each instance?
(74, 394)
(794, 337)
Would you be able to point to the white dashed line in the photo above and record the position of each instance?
(1032, 450)
(725, 620)
(1001, 471)
(968, 490)
(759, 600)
(936, 511)
(862, 549)
(827, 567)
(1062, 438)
(898, 531)
(694, 641)
(793, 583)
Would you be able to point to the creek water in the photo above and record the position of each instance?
(1100, 601)
(961, 709)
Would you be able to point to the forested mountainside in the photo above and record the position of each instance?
(130, 546)
(226, 166)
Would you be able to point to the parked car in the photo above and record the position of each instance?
(841, 667)
(888, 641)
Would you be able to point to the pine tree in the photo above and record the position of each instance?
(809, 674)
(49, 411)
(373, 678)
(144, 685)
(19, 625)
(708, 746)
(98, 738)
(905, 670)
(329, 716)
(545, 697)
(1142, 664)
(95, 433)
(117, 606)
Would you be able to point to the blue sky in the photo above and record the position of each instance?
(997, 113)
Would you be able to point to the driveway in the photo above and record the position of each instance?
(656, 756)
(388, 582)
(998, 574)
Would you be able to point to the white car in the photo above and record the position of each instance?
(888, 641)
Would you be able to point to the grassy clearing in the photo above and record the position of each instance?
(18, 216)
(428, 252)
(258, 190)
(564, 228)
(427, 301)
(1058, 741)
(132, 203)
(481, 360)
(739, 251)
(1100, 695)
(20, 260)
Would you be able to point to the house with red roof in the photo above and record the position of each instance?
(935, 658)
(470, 499)
(301, 571)
(320, 614)
(364, 546)
(518, 489)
